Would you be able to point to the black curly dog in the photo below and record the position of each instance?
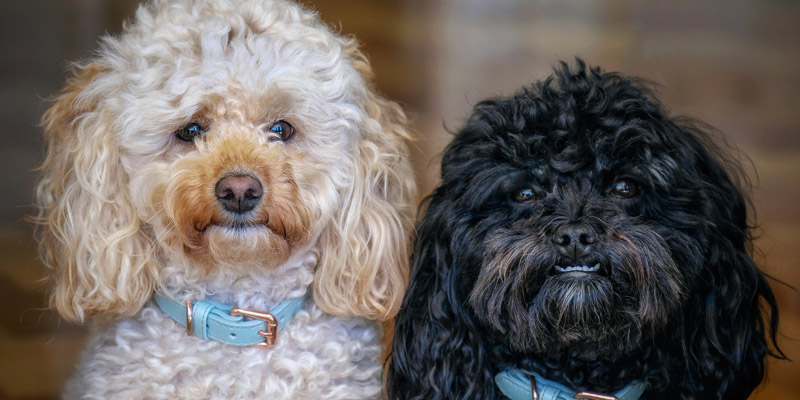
(582, 234)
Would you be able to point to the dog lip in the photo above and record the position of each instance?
(578, 268)
(240, 227)
(241, 222)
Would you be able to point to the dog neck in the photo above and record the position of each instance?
(598, 374)
(523, 385)
(260, 288)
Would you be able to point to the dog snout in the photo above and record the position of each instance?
(574, 240)
(239, 193)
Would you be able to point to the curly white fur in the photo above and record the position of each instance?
(126, 208)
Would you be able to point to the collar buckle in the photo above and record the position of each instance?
(189, 318)
(579, 395)
(595, 396)
(534, 391)
(270, 335)
(208, 319)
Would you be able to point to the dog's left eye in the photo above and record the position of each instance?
(189, 132)
(283, 131)
(624, 189)
(523, 195)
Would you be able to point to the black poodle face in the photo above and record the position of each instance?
(581, 233)
(581, 210)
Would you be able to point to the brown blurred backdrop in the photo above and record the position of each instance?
(734, 64)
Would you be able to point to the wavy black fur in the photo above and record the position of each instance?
(649, 199)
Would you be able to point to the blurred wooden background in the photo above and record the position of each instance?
(734, 64)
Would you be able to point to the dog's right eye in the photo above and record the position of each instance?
(189, 132)
(283, 131)
(624, 189)
(523, 195)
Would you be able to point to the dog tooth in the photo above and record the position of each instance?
(581, 268)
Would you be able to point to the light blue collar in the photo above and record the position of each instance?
(516, 385)
(209, 319)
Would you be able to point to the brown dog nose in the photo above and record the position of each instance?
(239, 193)
(574, 240)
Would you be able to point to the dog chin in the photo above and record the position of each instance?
(573, 309)
(237, 247)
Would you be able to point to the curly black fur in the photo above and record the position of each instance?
(584, 169)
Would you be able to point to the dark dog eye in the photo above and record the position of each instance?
(189, 132)
(523, 195)
(624, 189)
(283, 131)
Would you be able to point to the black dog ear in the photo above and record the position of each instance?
(729, 336)
(437, 351)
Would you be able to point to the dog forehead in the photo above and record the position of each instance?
(498, 153)
(539, 157)
(257, 43)
(571, 122)
(261, 59)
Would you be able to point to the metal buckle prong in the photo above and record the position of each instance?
(595, 396)
(271, 334)
(534, 391)
(189, 318)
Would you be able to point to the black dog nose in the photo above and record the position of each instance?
(574, 240)
(239, 193)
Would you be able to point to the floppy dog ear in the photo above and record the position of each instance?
(90, 236)
(438, 351)
(732, 333)
(363, 266)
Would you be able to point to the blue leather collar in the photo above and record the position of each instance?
(213, 320)
(516, 385)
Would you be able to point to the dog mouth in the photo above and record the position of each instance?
(579, 269)
(235, 224)
(241, 227)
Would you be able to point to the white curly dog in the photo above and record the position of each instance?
(220, 154)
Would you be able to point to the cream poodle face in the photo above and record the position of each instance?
(224, 135)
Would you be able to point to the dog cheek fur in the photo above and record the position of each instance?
(513, 296)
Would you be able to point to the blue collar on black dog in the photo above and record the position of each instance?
(517, 385)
